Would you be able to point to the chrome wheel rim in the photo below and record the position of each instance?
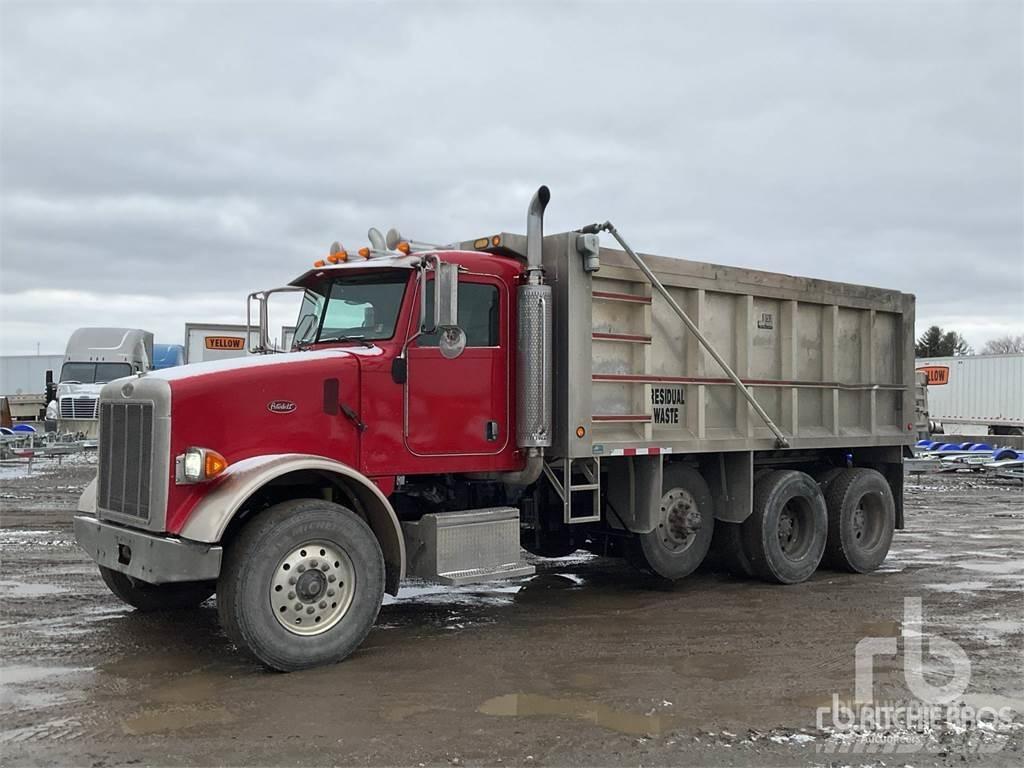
(312, 587)
(680, 520)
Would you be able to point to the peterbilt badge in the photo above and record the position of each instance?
(281, 406)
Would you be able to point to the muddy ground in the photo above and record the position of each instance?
(587, 663)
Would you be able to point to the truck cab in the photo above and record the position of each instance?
(94, 357)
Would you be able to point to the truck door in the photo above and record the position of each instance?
(461, 407)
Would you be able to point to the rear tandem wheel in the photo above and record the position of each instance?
(685, 525)
(784, 537)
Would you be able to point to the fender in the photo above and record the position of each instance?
(210, 517)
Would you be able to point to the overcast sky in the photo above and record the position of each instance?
(161, 160)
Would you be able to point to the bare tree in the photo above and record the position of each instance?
(1004, 345)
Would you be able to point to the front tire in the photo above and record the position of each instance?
(784, 537)
(685, 526)
(148, 597)
(301, 585)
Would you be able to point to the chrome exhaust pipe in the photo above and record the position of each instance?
(535, 234)
(533, 345)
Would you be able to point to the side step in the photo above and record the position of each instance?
(581, 475)
(464, 547)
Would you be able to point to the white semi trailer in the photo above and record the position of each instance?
(217, 341)
(983, 390)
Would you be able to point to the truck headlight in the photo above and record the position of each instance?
(197, 465)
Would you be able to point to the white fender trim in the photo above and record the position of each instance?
(211, 516)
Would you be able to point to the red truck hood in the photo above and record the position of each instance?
(263, 405)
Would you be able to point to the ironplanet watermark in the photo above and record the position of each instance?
(933, 718)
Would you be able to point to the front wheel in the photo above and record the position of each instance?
(301, 585)
(685, 524)
(148, 597)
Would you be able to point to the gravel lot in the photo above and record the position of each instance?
(587, 663)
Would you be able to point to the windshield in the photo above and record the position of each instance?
(358, 307)
(93, 373)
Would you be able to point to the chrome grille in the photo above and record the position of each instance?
(126, 458)
(78, 407)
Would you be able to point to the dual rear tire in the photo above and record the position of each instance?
(843, 519)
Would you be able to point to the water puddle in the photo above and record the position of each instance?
(960, 586)
(25, 589)
(1009, 567)
(716, 667)
(535, 705)
(881, 629)
(61, 729)
(19, 682)
(160, 720)
(1000, 627)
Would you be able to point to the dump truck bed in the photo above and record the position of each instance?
(832, 364)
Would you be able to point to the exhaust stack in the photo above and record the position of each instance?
(535, 234)
(533, 345)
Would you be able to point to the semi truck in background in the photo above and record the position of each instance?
(981, 390)
(445, 405)
(94, 357)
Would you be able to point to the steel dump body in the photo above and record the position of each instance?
(832, 364)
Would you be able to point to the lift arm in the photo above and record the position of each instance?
(780, 438)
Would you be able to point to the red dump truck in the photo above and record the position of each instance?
(442, 406)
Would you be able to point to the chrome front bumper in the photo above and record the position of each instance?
(145, 556)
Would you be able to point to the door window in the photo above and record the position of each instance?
(478, 315)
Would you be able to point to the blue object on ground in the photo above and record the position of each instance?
(23, 428)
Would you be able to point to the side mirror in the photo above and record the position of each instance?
(446, 298)
(445, 320)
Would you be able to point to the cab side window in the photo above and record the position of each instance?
(478, 315)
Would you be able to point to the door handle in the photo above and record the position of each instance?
(491, 431)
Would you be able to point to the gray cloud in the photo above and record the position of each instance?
(161, 161)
